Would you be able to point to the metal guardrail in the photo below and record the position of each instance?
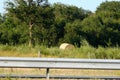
(59, 63)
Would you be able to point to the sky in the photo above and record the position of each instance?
(85, 4)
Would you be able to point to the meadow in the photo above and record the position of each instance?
(54, 52)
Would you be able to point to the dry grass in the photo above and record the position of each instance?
(16, 54)
(70, 72)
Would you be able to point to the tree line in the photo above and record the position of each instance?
(33, 22)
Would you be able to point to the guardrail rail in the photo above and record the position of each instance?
(59, 63)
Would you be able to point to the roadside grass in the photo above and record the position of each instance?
(55, 52)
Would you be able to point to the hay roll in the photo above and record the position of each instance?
(65, 46)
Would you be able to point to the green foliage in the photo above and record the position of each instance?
(31, 23)
(74, 29)
(68, 22)
(103, 28)
(113, 6)
(30, 13)
(92, 27)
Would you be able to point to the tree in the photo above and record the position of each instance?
(36, 23)
(73, 33)
(44, 31)
(110, 14)
(9, 33)
(68, 21)
(92, 27)
(1, 19)
(103, 27)
(112, 6)
(27, 11)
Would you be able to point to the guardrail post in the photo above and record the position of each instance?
(47, 74)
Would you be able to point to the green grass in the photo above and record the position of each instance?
(82, 52)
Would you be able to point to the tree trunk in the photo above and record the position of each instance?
(30, 34)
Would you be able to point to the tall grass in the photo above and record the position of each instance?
(82, 52)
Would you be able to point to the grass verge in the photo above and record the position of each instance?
(82, 52)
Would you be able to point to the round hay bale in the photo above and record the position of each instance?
(65, 46)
